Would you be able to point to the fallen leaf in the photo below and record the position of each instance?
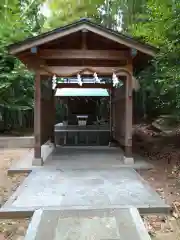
(175, 215)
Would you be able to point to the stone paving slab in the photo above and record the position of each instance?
(68, 158)
(84, 188)
(99, 224)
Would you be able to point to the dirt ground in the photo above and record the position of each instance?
(164, 178)
(168, 186)
(10, 229)
(163, 152)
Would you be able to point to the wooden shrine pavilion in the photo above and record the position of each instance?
(79, 50)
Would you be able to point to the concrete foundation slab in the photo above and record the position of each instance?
(65, 158)
(118, 224)
(84, 188)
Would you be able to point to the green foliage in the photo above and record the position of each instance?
(19, 19)
(150, 24)
(152, 21)
(106, 12)
(161, 81)
(64, 12)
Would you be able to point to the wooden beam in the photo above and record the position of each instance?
(84, 39)
(64, 71)
(84, 54)
(33, 62)
(85, 85)
(85, 62)
(31, 65)
(36, 63)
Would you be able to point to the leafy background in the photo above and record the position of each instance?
(151, 21)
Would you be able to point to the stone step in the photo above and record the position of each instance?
(97, 224)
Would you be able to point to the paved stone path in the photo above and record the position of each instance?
(85, 189)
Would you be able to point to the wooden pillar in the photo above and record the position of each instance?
(53, 113)
(128, 118)
(111, 113)
(37, 119)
